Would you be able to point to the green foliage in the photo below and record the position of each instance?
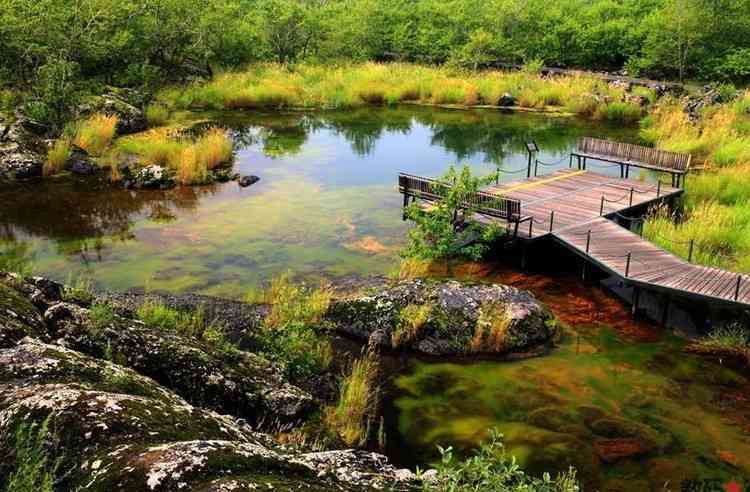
(102, 314)
(35, 463)
(491, 469)
(438, 233)
(16, 257)
(291, 328)
(78, 290)
(733, 338)
(156, 115)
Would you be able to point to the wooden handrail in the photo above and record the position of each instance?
(480, 202)
(634, 154)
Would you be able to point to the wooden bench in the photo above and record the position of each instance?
(480, 202)
(627, 155)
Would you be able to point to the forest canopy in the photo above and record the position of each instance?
(54, 45)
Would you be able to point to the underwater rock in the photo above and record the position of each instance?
(246, 181)
(440, 318)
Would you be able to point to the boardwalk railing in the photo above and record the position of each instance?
(627, 155)
(479, 202)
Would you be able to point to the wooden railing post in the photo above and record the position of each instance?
(531, 225)
(631, 196)
(551, 220)
(627, 265)
(601, 207)
(737, 290)
(690, 251)
(588, 241)
(658, 188)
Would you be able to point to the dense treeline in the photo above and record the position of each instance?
(55, 48)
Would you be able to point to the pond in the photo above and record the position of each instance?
(619, 400)
(326, 204)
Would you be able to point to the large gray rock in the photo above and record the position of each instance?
(116, 430)
(117, 102)
(441, 318)
(20, 156)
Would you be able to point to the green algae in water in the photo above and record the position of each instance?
(553, 411)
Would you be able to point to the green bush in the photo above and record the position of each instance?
(492, 470)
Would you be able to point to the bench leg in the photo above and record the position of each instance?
(627, 171)
(622, 171)
(570, 161)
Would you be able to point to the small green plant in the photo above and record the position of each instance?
(293, 303)
(57, 156)
(156, 115)
(35, 463)
(411, 320)
(731, 338)
(102, 314)
(491, 469)
(78, 290)
(446, 230)
(352, 417)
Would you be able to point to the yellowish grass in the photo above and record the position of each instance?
(352, 417)
(292, 303)
(490, 334)
(411, 320)
(95, 134)
(56, 157)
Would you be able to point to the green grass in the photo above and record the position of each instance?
(57, 156)
(156, 115)
(354, 414)
(35, 466)
(733, 338)
(95, 134)
(411, 320)
(102, 314)
(351, 85)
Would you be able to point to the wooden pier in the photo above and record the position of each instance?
(578, 208)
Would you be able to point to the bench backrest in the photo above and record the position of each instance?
(662, 159)
(480, 202)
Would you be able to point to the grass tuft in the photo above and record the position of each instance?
(57, 156)
(356, 410)
(491, 330)
(95, 134)
(411, 320)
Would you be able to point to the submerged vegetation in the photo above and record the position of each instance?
(716, 206)
(352, 85)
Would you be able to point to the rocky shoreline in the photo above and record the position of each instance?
(133, 407)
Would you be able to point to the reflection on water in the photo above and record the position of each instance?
(325, 205)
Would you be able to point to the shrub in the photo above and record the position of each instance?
(356, 410)
(411, 319)
(492, 470)
(619, 112)
(57, 156)
(95, 134)
(102, 314)
(731, 338)
(78, 290)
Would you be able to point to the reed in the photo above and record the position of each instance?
(57, 156)
(354, 414)
(95, 134)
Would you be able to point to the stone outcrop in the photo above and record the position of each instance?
(440, 318)
(164, 414)
(20, 149)
(120, 103)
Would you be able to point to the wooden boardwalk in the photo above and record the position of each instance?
(575, 208)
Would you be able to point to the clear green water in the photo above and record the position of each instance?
(327, 206)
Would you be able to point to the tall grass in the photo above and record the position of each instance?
(57, 156)
(293, 303)
(716, 206)
(35, 466)
(490, 333)
(95, 134)
(314, 86)
(191, 160)
(733, 338)
(156, 115)
(411, 320)
(355, 412)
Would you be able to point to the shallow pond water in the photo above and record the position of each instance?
(327, 206)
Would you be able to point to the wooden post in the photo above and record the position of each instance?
(570, 161)
(601, 207)
(658, 188)
(627, 170)
(531, 226)
(536, 167)
(528, 167)
(627, 265)
(406, 204)
(737, 290)
(551, 220)
(588, 241)
(631, 196)
(690, 252)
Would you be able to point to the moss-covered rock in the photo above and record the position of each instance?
(457, 318)
(113, 429)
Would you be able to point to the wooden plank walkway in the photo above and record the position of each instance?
(569, 197)
(574, 207)
(609, 246)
